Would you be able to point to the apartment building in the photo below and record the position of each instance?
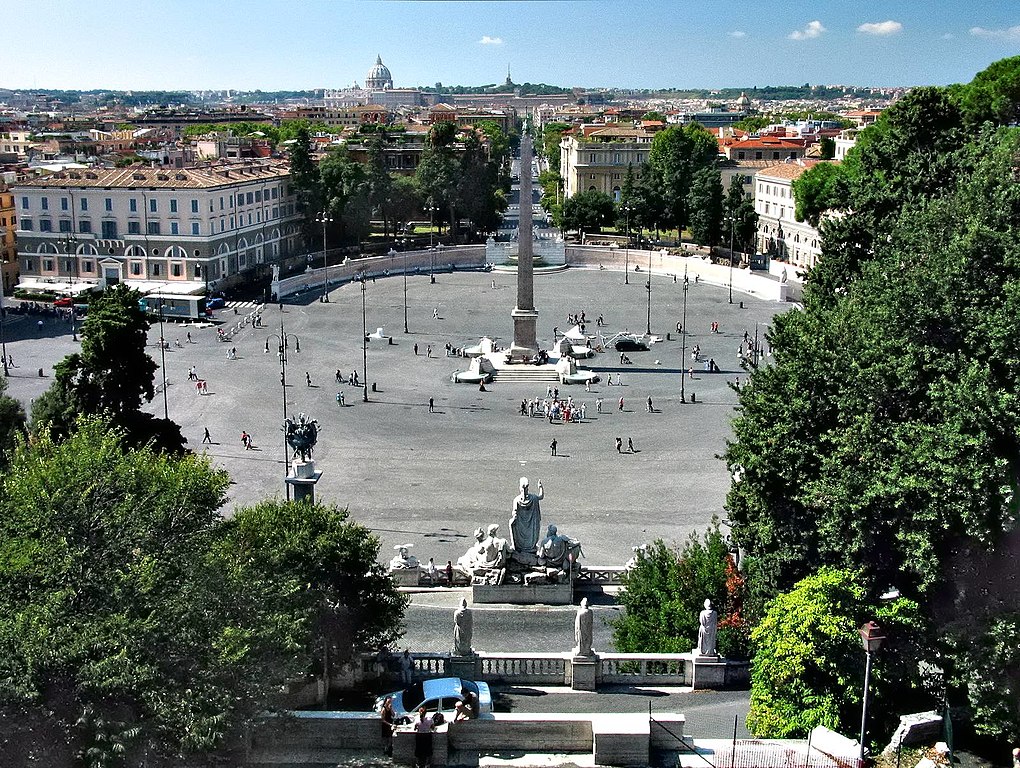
(178, 230)
(596, 157)
(780, 235)
(8, 246)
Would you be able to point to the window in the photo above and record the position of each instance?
(173, 205)
(740, 155)
(85, 227)
(222, 226)
(26, 224)
(175, 270)
(757, 155)
(221, 203)
(152, 205)
(195, 228)
(108, 203)
(45, 203)
(65, 225)
(47, 265)
(250, 198)
(155, 270)
(64, 203)
(194, 206)
(133, 205)
(24, 203)
(258, 196)
(231, 222)
(134, 228)
(86, 266)
(775, 155)
(136, 268)
(174, 228)
(273, 192)
(84, 203)
(198, 270)
(45, 225)
(153, 228)
(29, 265)
(591, 158)
(109, 229)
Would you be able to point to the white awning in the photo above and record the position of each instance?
(52, 285)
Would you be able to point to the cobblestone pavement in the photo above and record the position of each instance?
(429, 479)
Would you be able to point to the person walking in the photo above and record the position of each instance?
(649, 405)
(598, 405)
(189, 337)
(428, 351)
(432, 405)
(630, 445)
(339, 378)
(308, 379)
(552, 447)
(416, 349)
(435, 313)
(621, 403)
(207, 438)
(619, 445)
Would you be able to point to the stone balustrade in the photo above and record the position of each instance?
(644, 669)
(523, 668)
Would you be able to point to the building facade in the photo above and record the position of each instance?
(8, 243)
(180, 230)
(597, 158)
(780, 235)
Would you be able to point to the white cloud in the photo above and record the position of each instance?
(881, 28)
(486, 40)
(812, 30)
(1010, 33)
(738, 33)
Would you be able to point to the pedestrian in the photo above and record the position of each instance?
(621, 403)
(207, 438)
(339, 378)
(432, 405)
(308, 379)
(524, 407)
(679, 327)
(650, 409)
(552, 447)
(619, 445)
(406, 667)
(435, 313)
(630, 445)
(587, 385)
(428, 351)
(598, 405)
(244, 438)
(423, 739)
(189, 337)
(416, 349)
(449, 573)
(609, 380)
(386, 718)
(339, 399)
(584, 411)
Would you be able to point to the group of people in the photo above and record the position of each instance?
(424, 724)
(553, 408)
(246, 440)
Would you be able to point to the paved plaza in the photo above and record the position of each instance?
(429, 479)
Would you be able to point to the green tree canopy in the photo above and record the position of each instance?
(677, 155)
(12, 422)
(122, 635)
(588, 211)
(816, 191)
(705, 203)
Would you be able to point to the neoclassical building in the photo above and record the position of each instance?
(779, 233)
(177, 230)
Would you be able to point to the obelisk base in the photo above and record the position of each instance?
(525, 333)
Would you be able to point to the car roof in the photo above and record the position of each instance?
(442, 687)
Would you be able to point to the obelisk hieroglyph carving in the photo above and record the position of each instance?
(524, 314)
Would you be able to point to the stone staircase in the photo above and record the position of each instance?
(526, 374)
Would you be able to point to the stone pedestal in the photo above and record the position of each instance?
(525, 342)
(708, 671)
(302, 478)
(467, 667)
(406, 577)
(583, 671)
(522, 594)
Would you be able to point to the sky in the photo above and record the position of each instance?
(307, 44)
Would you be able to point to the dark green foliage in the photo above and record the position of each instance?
(994, 94)
(118, 624)
(111, 377)
(678, 155)
(332, 563)
(588, 211)
(705, 203)
(808, 664)
(739, 216)
(346, 190)
(665, 592)
(820, 188)
(12, 422)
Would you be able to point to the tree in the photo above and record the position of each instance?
(994, 94)
(112, 376)
(380, 183)
(304, 177)
(820, 188)
(678, 153)
(12, 422)
(352, 601)
(807, 669)
(588, 211)
(346, 192)
(827, 145)
(405, 201)
(121, 631)
(739, 216)
(665, 591)
(654, 116)
(552, 134)
(437, 174)
(705, 203)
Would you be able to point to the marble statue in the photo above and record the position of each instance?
(462, 628)
(708, 624)
(526, 519)
(276, 273)
(402, 560)
(584, 623)
(557, 551)
(496, 551)
(486, 561)
(473, 558)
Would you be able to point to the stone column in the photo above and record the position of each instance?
(525, 315)
(303, 477)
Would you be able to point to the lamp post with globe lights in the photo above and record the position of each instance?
(284, 348)
(324, 218)
(871, 638)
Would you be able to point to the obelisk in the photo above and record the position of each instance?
(524, 314)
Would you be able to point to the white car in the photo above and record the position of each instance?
(439, 695)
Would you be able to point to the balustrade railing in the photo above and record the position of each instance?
(524, 668)
(646, 669)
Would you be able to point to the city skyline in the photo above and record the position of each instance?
(187, 45)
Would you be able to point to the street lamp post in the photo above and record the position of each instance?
(3, 333)
(683, 340)
(393, 253)
(69, 241)
(871, 639)
(324, 219)
(431, 208)
(364, 339)
(648, 287)
(162, 354)
(284, 339)
(626, 268)
(732, 221)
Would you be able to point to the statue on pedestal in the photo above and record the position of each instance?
(526, 519)
(302, 434)
(558, 551)
(462, 629)
(584, 623)
(402, 560)
(708, 624)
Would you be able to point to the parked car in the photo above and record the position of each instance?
(63, 301)
(216, 302)
(439, 695)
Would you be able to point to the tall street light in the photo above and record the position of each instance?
(364, 338)
(162, 354)
(324, 218)
(69, 241)
(627, 208)
(392, 254)
(283, 350)
(732, 221)
(648, 287)
(431, 208)
(3, 333)
(871, 638)
(683, 340)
